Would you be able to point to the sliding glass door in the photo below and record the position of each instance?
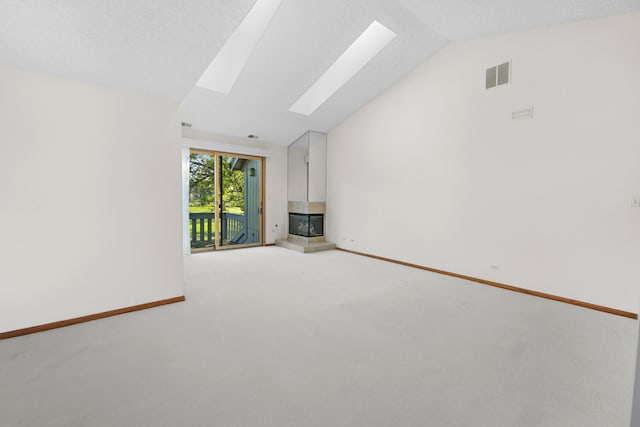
(225, 200)
(240, 201)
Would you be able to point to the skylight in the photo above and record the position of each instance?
(225, 68)
(361, 51)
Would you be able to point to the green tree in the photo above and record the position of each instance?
(202, 182)
(232, 185)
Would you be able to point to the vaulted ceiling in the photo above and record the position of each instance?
(162, 47)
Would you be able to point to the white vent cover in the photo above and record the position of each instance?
(525, 113)
(498, 75)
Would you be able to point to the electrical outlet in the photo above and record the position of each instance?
(634, 201)
(495, 267)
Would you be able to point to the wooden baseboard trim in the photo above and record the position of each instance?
(269, 244)
(583, 304)
(88, 318)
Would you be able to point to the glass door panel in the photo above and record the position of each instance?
(202, 200)
(240, 200)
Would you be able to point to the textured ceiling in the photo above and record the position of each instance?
(157, 47)
(465, 19)
(304, 39)
(161, 47)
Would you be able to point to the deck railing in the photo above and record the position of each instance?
(203, 229)
(233, 227)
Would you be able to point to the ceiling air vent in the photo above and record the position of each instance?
(498, 75)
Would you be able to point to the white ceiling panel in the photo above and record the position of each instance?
(302, 42)
(157, 47)
(466, 19)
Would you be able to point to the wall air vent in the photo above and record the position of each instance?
(525, 113)
(498, 75)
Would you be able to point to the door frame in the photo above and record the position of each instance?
(218, 201)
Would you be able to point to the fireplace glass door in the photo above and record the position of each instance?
(306, 225)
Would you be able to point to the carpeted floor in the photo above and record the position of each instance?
(270, 337)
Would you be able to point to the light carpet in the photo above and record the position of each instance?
(271, 337)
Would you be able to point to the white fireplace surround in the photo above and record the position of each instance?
(307, 207)
(306, 187)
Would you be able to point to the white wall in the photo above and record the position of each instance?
(435, 172)
(90, 199)
(275, 204)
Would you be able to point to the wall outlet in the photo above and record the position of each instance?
(634, 201)
(495, 267)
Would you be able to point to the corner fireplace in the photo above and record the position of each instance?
(306, 225)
